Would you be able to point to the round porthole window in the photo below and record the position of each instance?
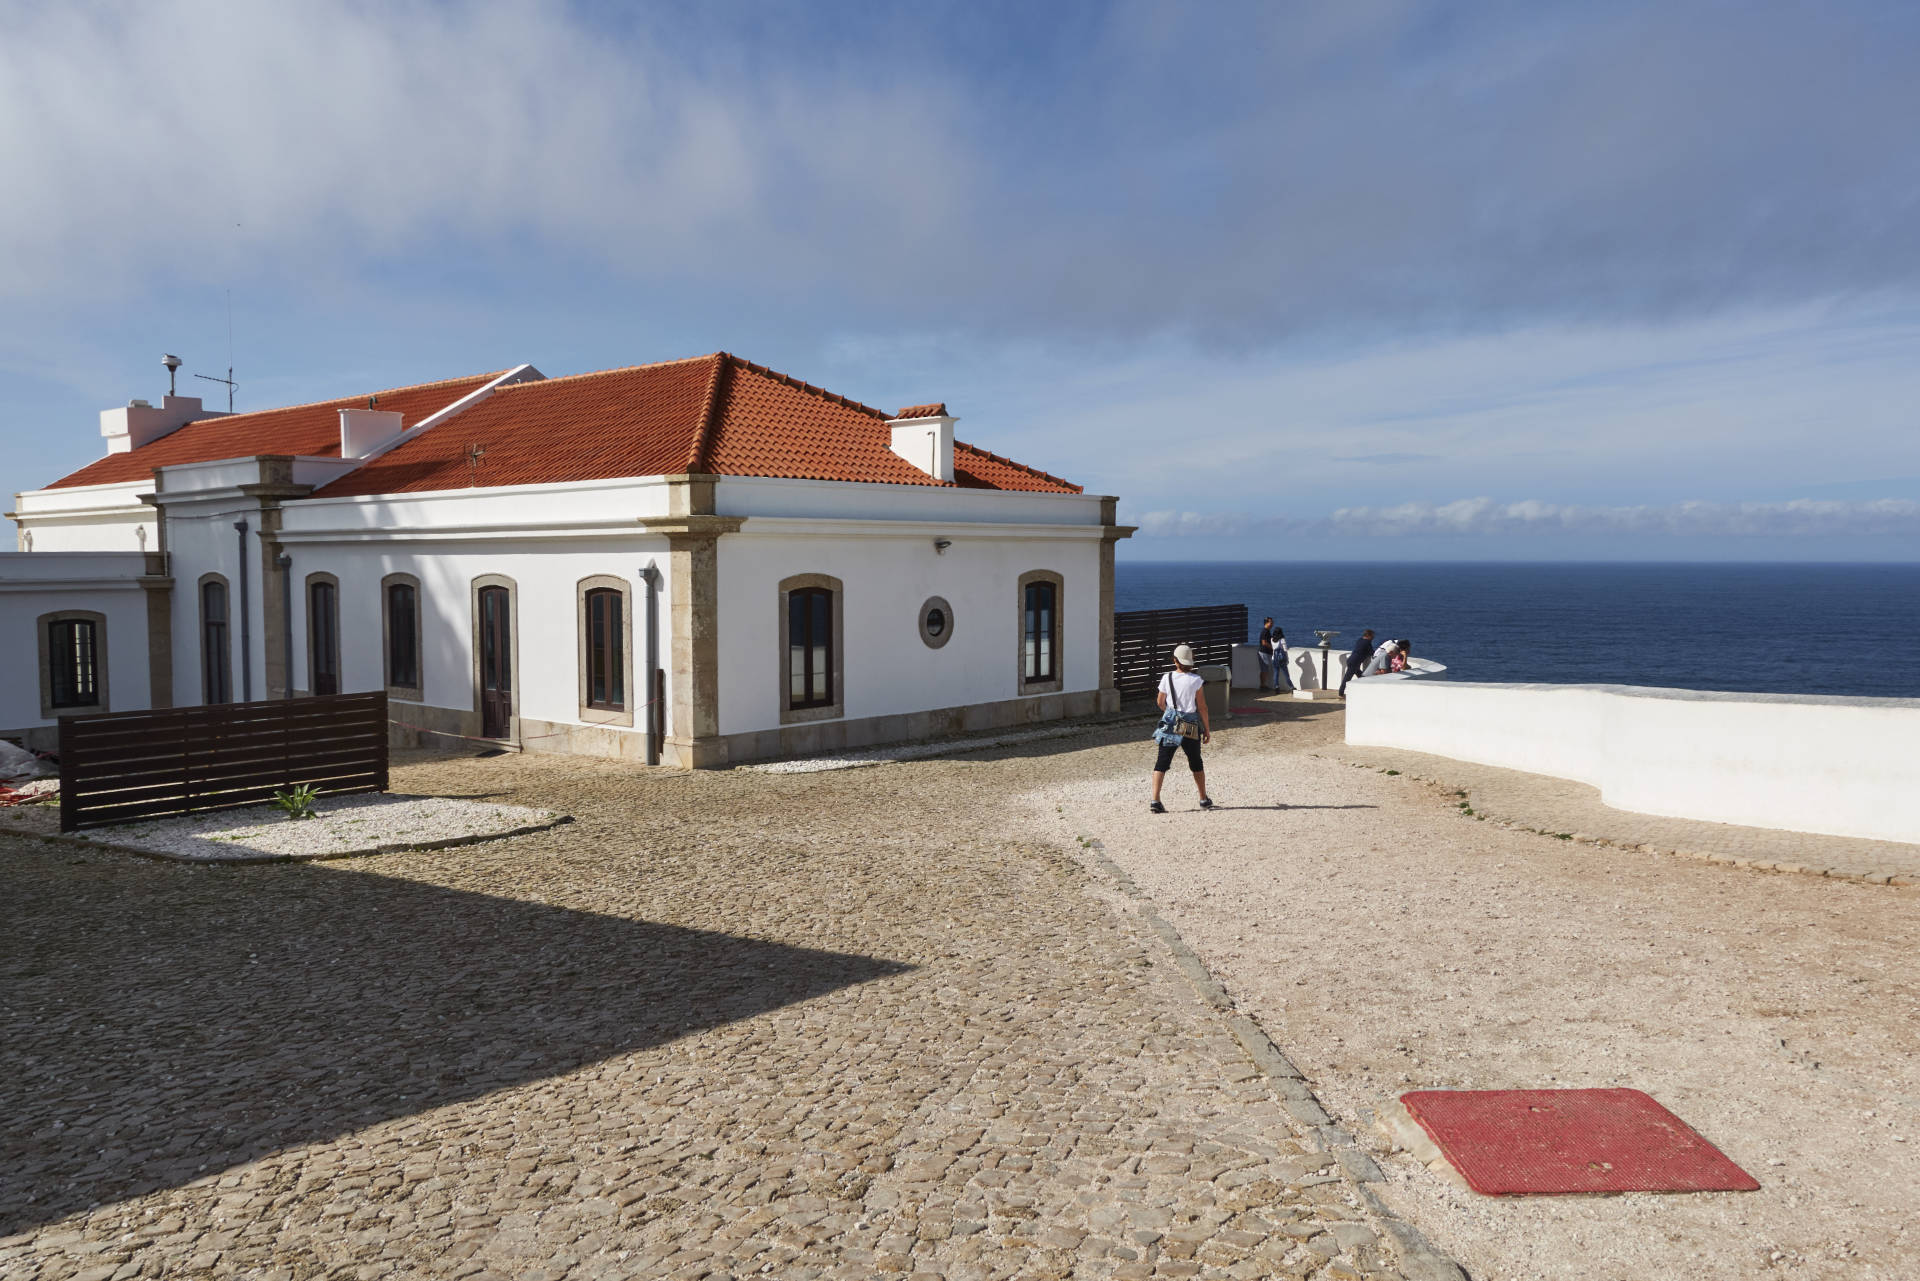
(936, 621)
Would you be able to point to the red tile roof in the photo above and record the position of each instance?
(717, 414)
(937, 409)
(310, 430)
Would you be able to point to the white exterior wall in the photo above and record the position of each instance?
(887, 575)
(87, 518)
(546, 538)
(1839, 766)
(545, 578)
(201, 540)
(37, 583)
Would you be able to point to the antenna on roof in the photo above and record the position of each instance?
(475, 452)
(228, 380)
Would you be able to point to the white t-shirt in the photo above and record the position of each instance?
(1183, 691)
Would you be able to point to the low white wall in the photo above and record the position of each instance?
(1837, 766)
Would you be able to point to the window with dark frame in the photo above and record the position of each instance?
(606, 651)
(810, 648)
(74, 657)
(323, 634)
(403, 655)
(216, 658)
(1042, 632)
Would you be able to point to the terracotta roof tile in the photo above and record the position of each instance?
(938, 409)
(718, 414)
(311, 430)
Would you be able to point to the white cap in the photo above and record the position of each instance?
(1183, 655)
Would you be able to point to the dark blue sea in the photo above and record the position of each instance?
(1808, 629)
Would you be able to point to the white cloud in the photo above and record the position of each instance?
(1476, 517)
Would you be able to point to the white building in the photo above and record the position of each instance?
(504, 553)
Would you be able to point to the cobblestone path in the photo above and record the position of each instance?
(732, 1025)
(1557, 805)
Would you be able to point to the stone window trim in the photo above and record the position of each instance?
(43, 626)
(513, 646)
(931, 640)
(206, 660)
(408, 693)
(790, 715)
(1058, 681)
(589, 714)
(339, 656)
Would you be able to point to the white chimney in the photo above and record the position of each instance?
(364, 430)
(923, 435)
(140, 423)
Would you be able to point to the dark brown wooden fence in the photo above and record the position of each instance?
(1143, 641)
(132, 765)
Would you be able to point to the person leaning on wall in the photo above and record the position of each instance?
(1183, 725)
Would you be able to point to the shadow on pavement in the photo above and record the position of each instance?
(157, 1025)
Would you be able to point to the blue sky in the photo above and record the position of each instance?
(1356, 279)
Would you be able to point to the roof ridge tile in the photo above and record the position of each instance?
(718, 384)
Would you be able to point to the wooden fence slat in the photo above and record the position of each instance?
(1143, 641)
(121, 766)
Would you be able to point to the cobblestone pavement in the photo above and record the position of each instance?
(721, 1025)
(1558, 806)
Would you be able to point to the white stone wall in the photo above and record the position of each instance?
(888, 574)
(1839, 766)
(87, 518)
(33, 584)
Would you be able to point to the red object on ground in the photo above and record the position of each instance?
(1555, 1142)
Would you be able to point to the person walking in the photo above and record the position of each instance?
(1183, 725)
(1357, 661)
(1267, 668)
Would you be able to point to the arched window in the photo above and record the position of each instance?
(216, 653)
(323, 634)
(73, 663)
(606, 649)
(400, 630)
(810, 647)
(1041, 594)
(812, 644)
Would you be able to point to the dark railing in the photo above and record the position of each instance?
(132, 765)
(1143, 641)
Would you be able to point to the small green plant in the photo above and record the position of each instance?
(1392, 772)
(296, 801)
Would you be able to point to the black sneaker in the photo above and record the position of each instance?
(1155, 807)
(1206, 802)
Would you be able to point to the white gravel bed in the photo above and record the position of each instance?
(341, 826)
(910, 751)
(1388, 942)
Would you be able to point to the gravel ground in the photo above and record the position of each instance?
(341, 825)
(1387, 943)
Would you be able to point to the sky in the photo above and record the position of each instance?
(1360, 279)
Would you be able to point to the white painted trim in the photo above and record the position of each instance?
(478, 491)
(470, 533)
(809, 527)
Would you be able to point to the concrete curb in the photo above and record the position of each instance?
(1420, 1261)
(255, 860)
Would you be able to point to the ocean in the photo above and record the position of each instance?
(1787, 629)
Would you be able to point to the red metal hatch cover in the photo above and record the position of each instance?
(1546, 1142)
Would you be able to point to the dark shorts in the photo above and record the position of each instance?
(1191, 746)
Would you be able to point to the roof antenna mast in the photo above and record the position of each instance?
(228, 380)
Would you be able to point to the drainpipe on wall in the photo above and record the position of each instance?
(285, 562)
(246, 620)
(651, 577)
